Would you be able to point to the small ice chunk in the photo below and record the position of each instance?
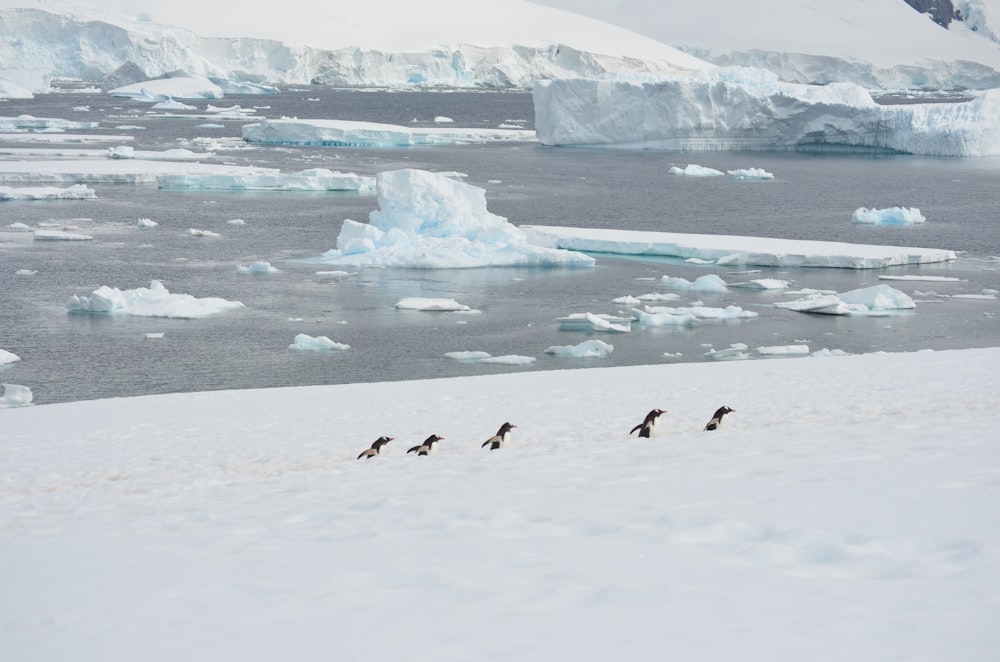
(468, 355)
(587, 349)
(890, 216)
(422, 303)
(694, 170)
(258, 269)
(306, 342)
(15, 395)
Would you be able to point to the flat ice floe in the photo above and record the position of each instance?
(170, 174)
(890, 216)
(347, 133)
(588, 349)
(152, 301)
(733, 250)
(164, 89)
(874, 300)
(428, 220)
(305, 342)
(74, 192)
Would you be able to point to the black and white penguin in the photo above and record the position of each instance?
(716, 421)
(426, 447)
(376, 448)
(499, 440)
(649, 424)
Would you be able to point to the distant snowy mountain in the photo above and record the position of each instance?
(879, 44)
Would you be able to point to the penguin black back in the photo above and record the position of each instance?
(646, 427)
(375, 448)
(427, 446)
(500, 438)
(717, 418)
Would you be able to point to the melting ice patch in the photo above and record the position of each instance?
(152, 301)
(890, 216)
(427, 220)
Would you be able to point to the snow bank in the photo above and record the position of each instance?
(427, 220)
(890, 216)
(152, 301)
(749, 109)
(346, 133)
(734, 250)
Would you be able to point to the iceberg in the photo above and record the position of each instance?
(468, 355)
(167, 89)
(258, 269)
(15, 395)
(427, 220)
(694, 170)
(746, 109)
(734, 249)
(875, 300)
(592, 322)
(349, 133)
(735, 352)
(316, 344)
(8, 357)
(890, 216)
(152, 301)
(783, 350)
(709, 284)
(750, 174)
(588, 349)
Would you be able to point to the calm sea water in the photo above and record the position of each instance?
(72, 357)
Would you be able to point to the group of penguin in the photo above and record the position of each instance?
(499, 440)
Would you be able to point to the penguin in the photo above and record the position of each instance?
(426, 447)
(716, 421)
(376, 448)
(649, 424)
(499, 440)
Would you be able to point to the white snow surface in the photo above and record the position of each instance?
(742, 108)
(845, 512)
(153, 301)
(734, 250)
(429, 220)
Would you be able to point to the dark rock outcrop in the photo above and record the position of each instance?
(941, 12)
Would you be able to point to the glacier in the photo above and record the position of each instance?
(428, 220)
(750, 109)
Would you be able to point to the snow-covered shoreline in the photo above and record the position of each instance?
(845, 511)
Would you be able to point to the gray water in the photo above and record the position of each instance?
(73, 357)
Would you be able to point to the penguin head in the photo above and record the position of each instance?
(506, 427)
(383, 440)
(722, 411)
(433, 439)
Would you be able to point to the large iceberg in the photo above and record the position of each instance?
(428, 220)
(735, 250)
(750, 109)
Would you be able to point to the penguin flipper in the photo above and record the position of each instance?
(414, 449)
(638, 427)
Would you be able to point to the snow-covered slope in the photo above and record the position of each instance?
(381, 42)
(875, 43)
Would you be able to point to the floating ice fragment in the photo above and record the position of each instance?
(75, 192)
(762, 284)
(468, 355)
(316, 344)
(202, 233)
(750, 174)
(15, 395)
(586, 349)
(509, 359)
(421, 303)
(784, 350)
(735, 352)
(146, 223)
(891, 216)
(592, 322)
(258, 269)
(693, 170)
(710, 283)
(154, 301)
(8, 357)
(875, 300)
